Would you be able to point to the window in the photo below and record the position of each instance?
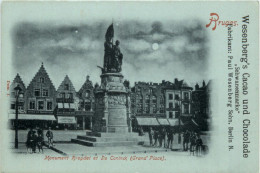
(139, 108)
(87, 93)
(12, 106)
(147, 108)
(170, 105)
(41, 80)
(20, 105)
(186, 96)
(170, 96)
(170, 115)
(66, 86)
(186, 109)
(40, 105)
(49, 105)
(37, 92)
(87, 106)
(177, 97)
(161, 109)
(62, 95)
(154, 108)
(147, 99)
(161, 100)
(70, 95)
(32, 105)
(176, 105)
(154, 99)
(45, 93)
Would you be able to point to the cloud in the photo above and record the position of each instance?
(76, 49)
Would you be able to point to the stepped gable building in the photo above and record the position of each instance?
(21, 101)
(165, 103)
(41, 98)
(86, 102)
(66, 98)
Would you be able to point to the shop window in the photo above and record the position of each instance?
(49, 105)
(45, 93)
(40, 105)
(170, 96)
(32, 105)
(37, 92)
(170, 115)
(170, 105)
(66, 86)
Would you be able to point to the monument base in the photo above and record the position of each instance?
(99, 139)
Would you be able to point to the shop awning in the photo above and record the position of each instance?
(60, 105)
(163, 121)
(175, 122)
(66, 105)
(147, 121)
(66, 120)
(32, 117)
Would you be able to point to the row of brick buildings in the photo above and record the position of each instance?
(152, 104)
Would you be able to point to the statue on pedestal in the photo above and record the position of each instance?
(113, 57)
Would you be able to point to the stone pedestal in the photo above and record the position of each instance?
(111, 113)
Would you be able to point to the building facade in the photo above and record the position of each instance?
(165, 103)
(66, 104)
(86, 103)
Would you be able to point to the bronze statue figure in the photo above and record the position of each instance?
(113, 56)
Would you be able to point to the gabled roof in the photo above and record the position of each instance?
(17, 80)
(66, 81)
(87, 85)
(41, 73)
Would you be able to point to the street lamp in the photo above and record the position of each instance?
(17, 93)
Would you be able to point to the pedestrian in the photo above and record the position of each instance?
(29, 141)
(49, 135)
(163, 136)
(192, 142)
(186, 138)
(151, 134)
(40, 140)
(34, 141)
(199, 144)
(155, 137)
(169, 138)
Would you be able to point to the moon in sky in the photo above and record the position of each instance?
(155, 46)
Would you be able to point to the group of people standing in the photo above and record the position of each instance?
(35, 139)
(164, 137)
(161, 137)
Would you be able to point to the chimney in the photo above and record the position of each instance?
(87, 77)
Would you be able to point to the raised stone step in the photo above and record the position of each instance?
(107, 139)
(100, 134)
(103, 144)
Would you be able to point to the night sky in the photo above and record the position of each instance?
(153, 51)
